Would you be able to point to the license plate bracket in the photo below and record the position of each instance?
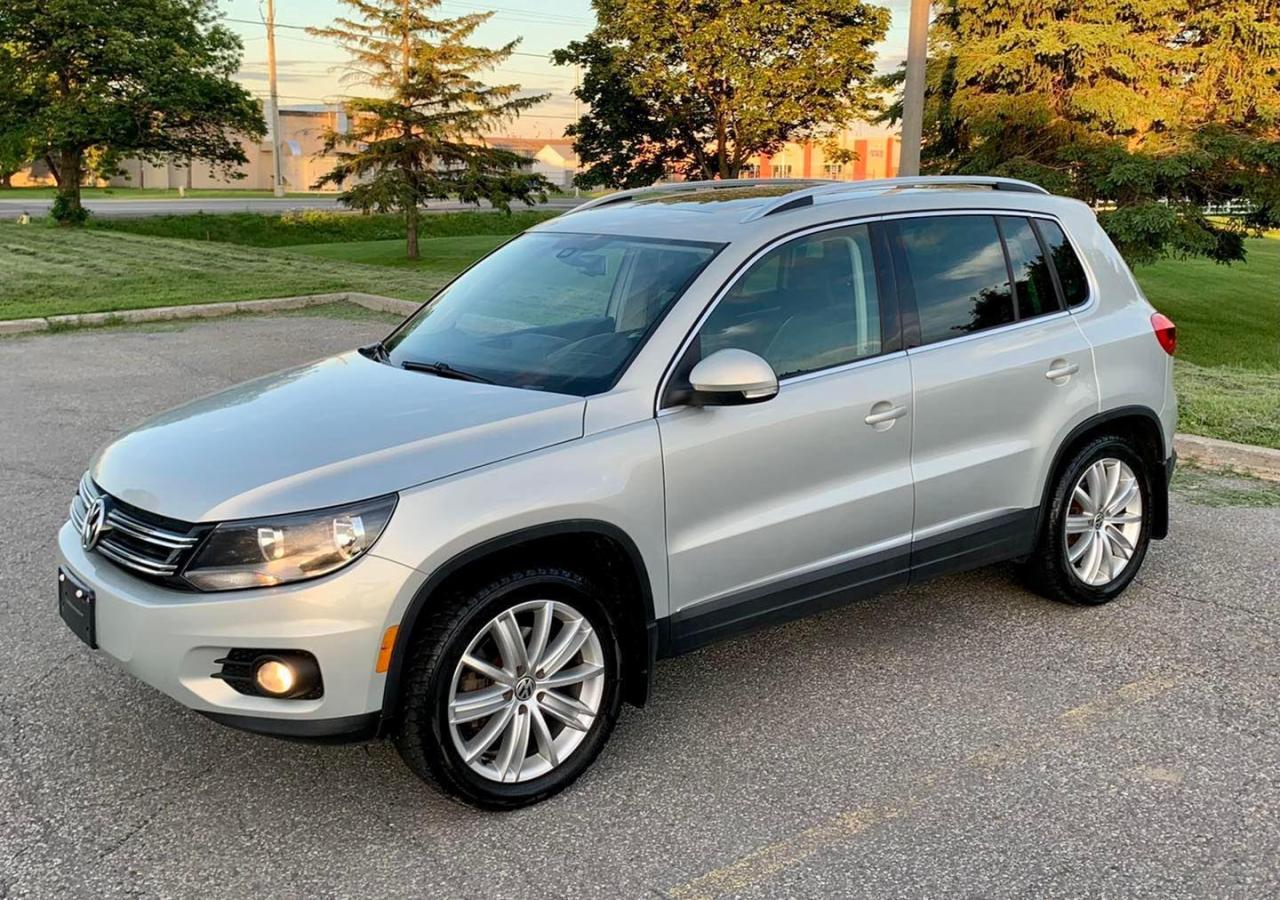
(77, 607)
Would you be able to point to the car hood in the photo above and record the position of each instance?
(334, 431)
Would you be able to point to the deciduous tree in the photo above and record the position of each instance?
(422, 137)
(108, 78)
(701, 87)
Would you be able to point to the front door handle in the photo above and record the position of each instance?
(1060, 370)
(883, 414)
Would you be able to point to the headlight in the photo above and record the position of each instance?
(280, 549)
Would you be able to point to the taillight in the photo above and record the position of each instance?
(1166, 332)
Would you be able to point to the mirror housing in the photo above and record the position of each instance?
(732, 377)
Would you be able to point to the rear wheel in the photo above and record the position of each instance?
(513, 689)
(1097, 527)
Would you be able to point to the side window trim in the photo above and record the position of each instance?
(1008, 268)
(669, 393)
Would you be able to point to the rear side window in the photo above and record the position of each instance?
(1075, 287)
(957, 269)
(1033, 284)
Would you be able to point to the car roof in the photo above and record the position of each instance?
(728, 211)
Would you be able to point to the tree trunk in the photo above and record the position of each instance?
(53, 168)
(67, 208)
(411, 231)
(6, 180)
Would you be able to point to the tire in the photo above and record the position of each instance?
(474, 622)
(1050, 569)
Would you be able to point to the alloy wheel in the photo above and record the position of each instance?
(526, 691)
(1104, 522)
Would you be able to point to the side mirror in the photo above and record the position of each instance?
(731, 378)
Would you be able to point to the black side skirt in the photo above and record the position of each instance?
(995, 540)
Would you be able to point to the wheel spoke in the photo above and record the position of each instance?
(515, 747)
(1082, 497)
(565, 709)
(1095, 483)
(566, 677)
(484, 740)
(1118, 539)
(570, 639)
(542, 735)
(1128, 519)
(1121, 502)
(493, 673)
(477, 704)
(1081, 547)
(1079, 524)
(1112, 473)
(506, 633)
(542, 619)
(1093, 560)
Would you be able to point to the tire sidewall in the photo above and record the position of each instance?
(1105, 448)
(441, 753)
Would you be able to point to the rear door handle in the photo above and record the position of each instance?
(884, 413)
(1061, 370)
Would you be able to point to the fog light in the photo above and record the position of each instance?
(275, 678)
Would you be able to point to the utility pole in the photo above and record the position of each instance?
(913, 89)
(277, 187)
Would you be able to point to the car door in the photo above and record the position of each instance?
(777, 508)
(1000, 372)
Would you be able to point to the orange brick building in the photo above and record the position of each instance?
(875, 156)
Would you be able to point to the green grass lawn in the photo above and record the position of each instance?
(1228, 317)
(444, 255)
(315, 226)
(49, 271)
(135, 193)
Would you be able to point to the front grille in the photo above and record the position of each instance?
(141, 542)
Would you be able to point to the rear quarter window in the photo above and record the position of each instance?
(1075, 286)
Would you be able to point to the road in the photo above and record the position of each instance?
(111, 209)
(961, 738)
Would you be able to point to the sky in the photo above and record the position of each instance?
(309, 69)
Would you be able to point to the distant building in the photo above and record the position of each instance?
(553, 160)
(302, 130)
(875, 155)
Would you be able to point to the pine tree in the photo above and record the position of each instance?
(423, 138)
(1149, 108)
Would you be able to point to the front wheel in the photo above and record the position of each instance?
(513, 689)
(1098, 525)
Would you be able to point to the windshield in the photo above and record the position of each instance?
(553, 312)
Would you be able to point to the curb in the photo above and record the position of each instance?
(207, 311)
(1260, 462)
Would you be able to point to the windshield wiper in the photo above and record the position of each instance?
(444, 370)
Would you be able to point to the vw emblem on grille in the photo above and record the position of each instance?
(95, 522)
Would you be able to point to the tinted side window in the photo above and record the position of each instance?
(958, 271)
(1075, 287)
(1033, 284)
(807, 305)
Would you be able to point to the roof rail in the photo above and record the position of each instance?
(675, 187)
(805, 197)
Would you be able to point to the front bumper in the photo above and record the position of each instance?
(170, 639)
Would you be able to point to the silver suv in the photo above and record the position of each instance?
(665, 418)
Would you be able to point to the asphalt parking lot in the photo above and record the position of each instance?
(963, 738)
